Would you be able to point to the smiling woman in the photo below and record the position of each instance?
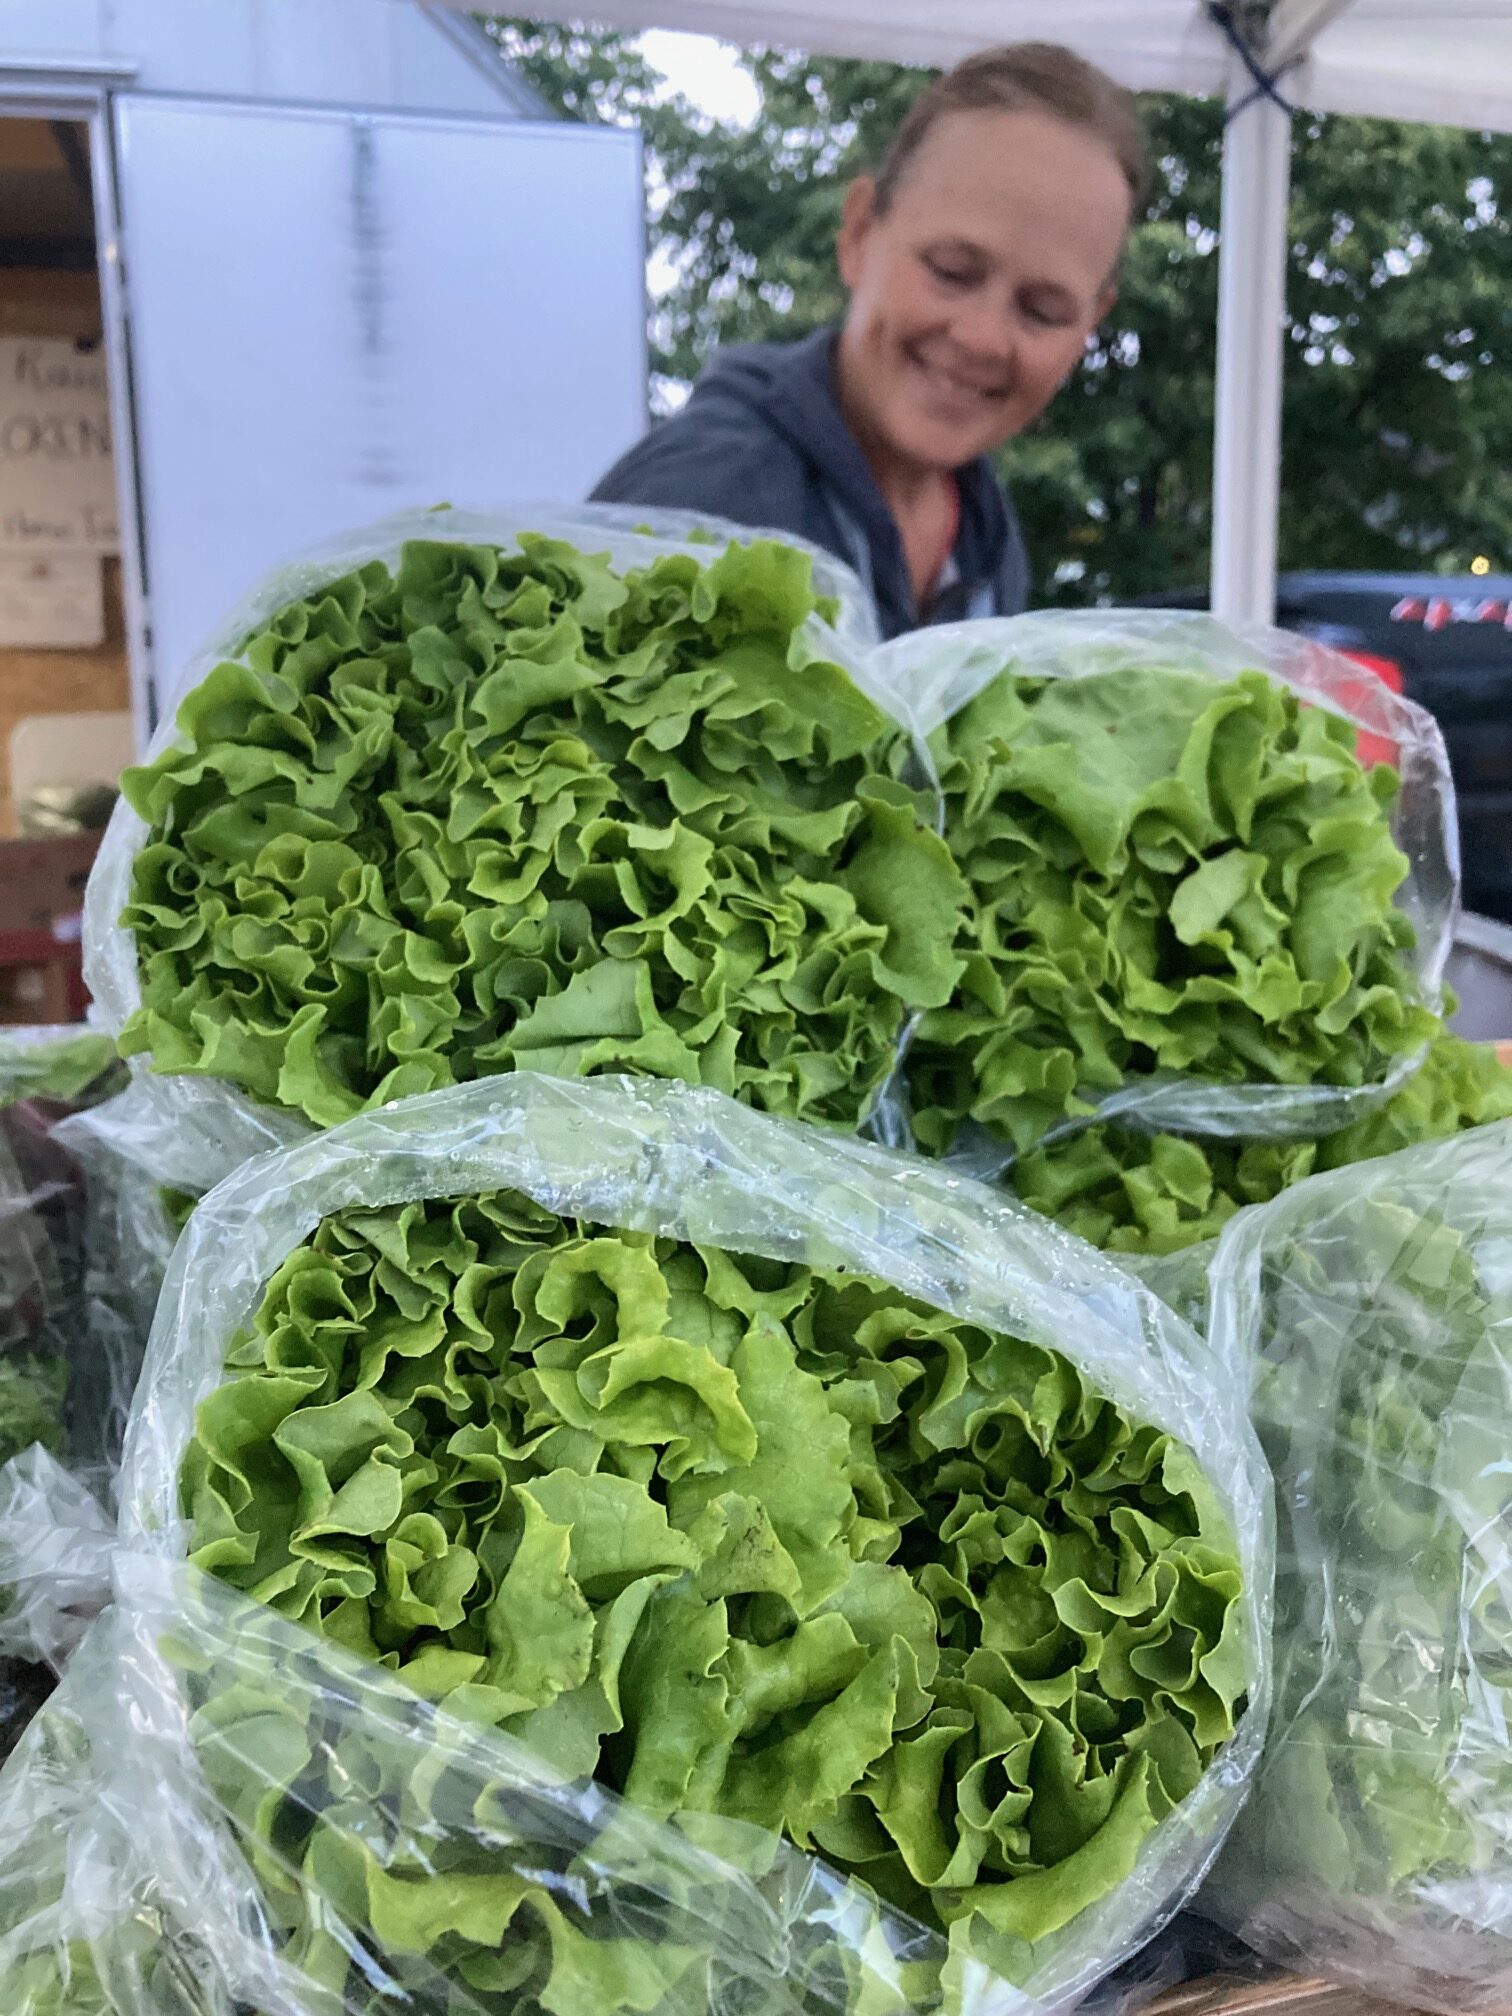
(979, 258)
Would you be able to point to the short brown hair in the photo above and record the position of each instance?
(1026, 77)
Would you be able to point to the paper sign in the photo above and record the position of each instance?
(57, 472)
(52, 601)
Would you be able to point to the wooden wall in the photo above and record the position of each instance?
(65, 304)
(40, 303)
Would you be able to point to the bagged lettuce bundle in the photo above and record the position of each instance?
(46, 1074)
(454, 801)
(1372, 1308)
(1132, 1192)
(60, 1368)
(644, 1555)
(1191, 904)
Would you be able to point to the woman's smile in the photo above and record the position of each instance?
(955, 393)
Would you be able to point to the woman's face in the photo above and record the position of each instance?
(974, 292)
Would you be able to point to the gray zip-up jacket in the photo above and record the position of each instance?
(762, 441)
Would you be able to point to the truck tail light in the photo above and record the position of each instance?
(1373, 749)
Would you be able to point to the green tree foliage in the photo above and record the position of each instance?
(584, 73)
(1399, 360)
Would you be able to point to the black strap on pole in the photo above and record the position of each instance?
(1224, 17)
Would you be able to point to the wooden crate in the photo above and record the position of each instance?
(1282, 1995)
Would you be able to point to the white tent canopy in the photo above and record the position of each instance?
(1446, 62)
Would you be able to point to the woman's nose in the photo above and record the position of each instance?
(988, 331)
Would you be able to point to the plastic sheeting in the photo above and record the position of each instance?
(920, 680)
(80, 1264)
(1375, 1307)
(207, 1126)
(934, 673)
(124, 1864)
(1444, 62)
(63, 1361)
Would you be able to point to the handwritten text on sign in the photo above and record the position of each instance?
(57, 474)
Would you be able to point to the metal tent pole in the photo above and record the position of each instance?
(1251, 311)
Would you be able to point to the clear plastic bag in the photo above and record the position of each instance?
(62, 1063)
(41, 1233)
(69, 1346)
(130, 1226)
(1373, 1309)
(921, 680)
(933, 674)
(63, 1368)
(136, 1869)
(219, 1126)
(636, 533)
(124, 1890)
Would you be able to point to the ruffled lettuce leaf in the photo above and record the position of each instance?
(1156, 1194)
(745, 1542)
(496, 810)
(72, 1068)
(1168, 873)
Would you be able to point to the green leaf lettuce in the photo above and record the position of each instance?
(1139, 1193)
(1168, 873)
(746, 1542)
(496, 810)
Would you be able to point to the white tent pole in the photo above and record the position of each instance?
(1251, 307)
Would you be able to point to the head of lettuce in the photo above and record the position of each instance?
(465, 810)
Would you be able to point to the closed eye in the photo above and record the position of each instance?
(950, 274)
(1049, 311)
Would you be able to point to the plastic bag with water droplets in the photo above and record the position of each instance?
(213, 1124)
(934, 673)
(921, 680)
(174, 1823)
(1373, 1306)
(80, 1265)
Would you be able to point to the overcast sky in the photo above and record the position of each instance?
(705, 71)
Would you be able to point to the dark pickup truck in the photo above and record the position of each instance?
(1447, 643)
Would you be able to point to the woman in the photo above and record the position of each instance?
(979, 259)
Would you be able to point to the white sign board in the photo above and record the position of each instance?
(55, 601)
(57, 473)
(415, 309)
